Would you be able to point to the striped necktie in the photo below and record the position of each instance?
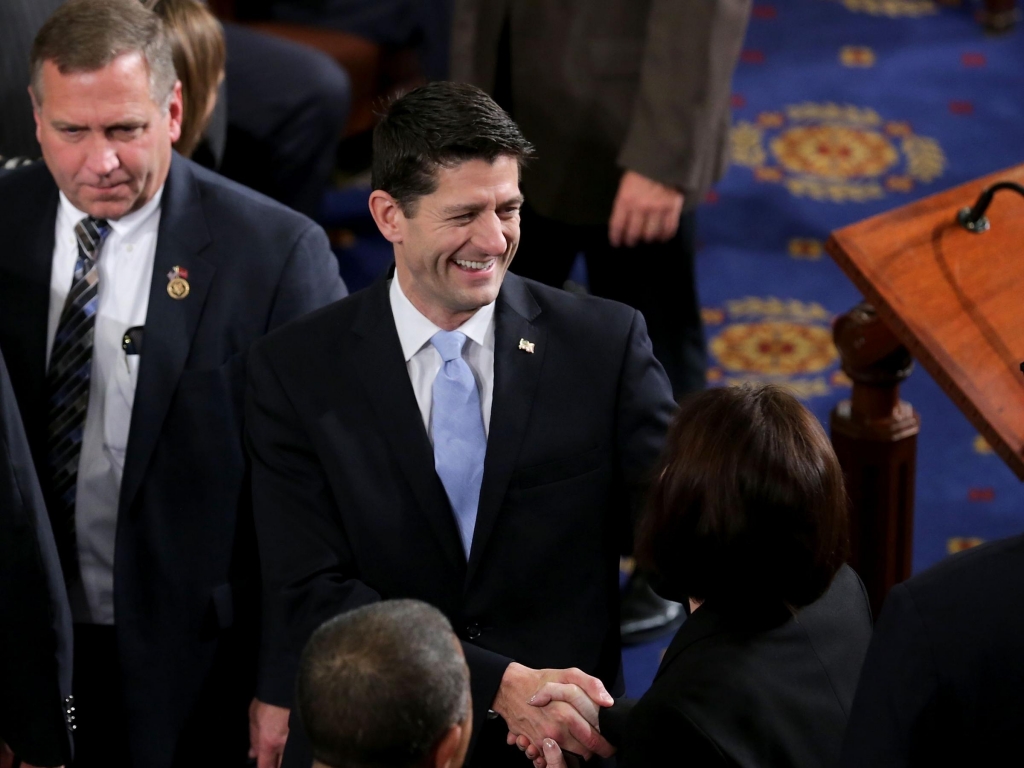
(67, 384)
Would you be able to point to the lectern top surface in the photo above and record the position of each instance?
(954, 298)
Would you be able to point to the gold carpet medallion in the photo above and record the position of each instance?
(177, 283)
(771, 340)
(835, 152)
(894, 8)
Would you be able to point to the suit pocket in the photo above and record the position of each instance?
(559, 470)
(616, 58)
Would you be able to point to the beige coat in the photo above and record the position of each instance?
(600, 86)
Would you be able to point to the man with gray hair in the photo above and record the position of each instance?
(386, 685)
(132, 284)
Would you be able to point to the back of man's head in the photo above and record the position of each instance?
(86, 35)
(386, 686)
(441, 124)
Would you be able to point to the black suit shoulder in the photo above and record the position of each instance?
(990, 574)
(21, 188)
(576, 307)
(946, 659)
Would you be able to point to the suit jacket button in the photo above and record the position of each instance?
(473, 631)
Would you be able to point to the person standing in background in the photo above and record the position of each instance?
(132, 284)
(627, 104)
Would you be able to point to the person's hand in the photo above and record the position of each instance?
(644, 211)
(553, 757)
(268, 732)
(558, 721)
(565, 692)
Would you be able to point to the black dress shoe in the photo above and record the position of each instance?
(645, 615)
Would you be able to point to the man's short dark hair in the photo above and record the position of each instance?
(86, 35)
(439, 125)
(380, 686)
(749, 505)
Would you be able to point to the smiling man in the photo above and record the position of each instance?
(132, 283)
(457, 435)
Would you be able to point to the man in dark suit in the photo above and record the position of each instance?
(627, 102)
(942, 680)
(458, 435)
(132, 284)
(35, 621)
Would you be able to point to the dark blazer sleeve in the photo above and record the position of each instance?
(306, 560)
(35, 620)
(894, 719)
(612, 721)
(690, 53)
(310, 279)
(645, 408)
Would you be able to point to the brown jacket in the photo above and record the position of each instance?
(600, 86)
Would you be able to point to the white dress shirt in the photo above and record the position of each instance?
(126, 272)
(423, 361)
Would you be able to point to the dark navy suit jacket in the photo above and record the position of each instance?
(943, 682)
(186, 593)
(35, 620)
(349, 508)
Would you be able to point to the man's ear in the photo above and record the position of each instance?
(388, 216)
(447, 752)
(176, 112)
(35, 114)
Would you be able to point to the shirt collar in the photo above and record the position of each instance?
(415, 330)
(126, 226)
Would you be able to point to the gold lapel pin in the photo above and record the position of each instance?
(527, 346)
(177, 283)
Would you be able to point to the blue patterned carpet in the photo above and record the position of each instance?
(842, 109)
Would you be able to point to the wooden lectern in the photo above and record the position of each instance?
(952, 299)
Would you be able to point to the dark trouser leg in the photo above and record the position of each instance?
(101, 736)
(658, 279)
(547, 248)
(216, 732)
(287, 106)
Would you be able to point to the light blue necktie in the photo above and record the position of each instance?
(457, 426)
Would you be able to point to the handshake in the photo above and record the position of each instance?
(548, 710)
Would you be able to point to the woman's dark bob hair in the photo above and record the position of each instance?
(748, 506)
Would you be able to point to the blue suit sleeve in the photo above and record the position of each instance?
(310, 279)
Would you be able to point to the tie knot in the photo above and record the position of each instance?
(449, 344)
(90, 232)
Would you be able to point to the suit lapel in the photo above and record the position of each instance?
(516, 374)
(170, 323)
(382, 369)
